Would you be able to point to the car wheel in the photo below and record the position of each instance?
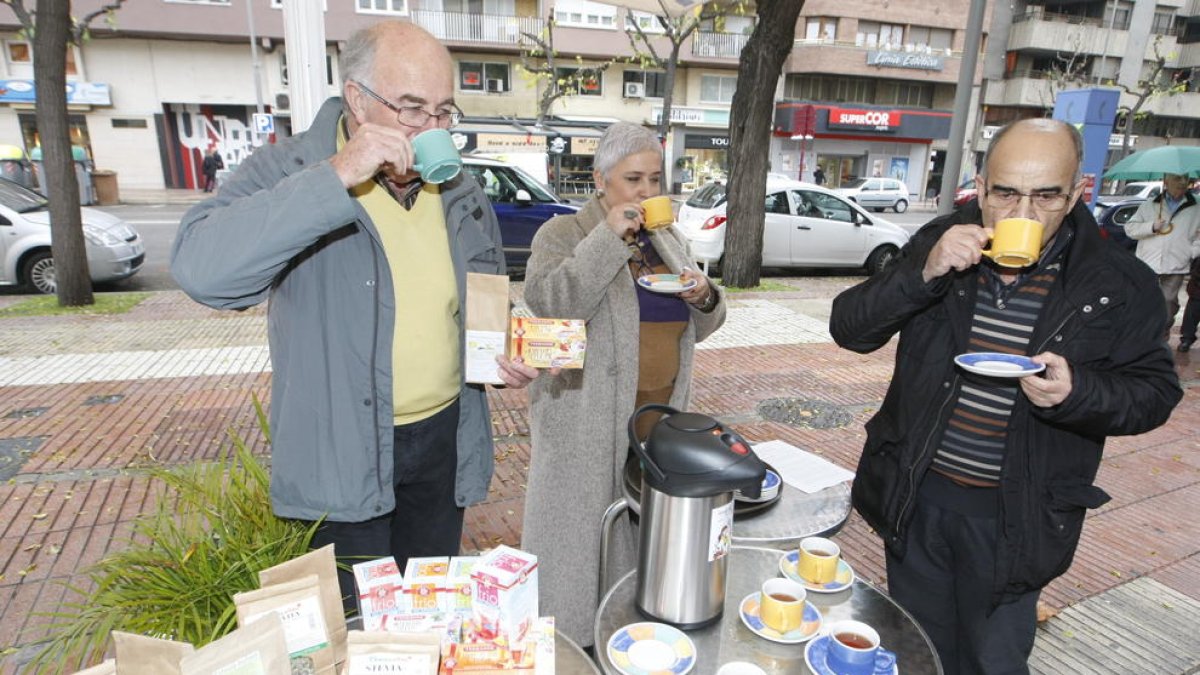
(39, 273)
(881, 258)
(901, 206)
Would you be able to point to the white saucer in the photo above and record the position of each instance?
(648, 647)
(748, 610)
(770, 487)
(665, 283)
(996, 364)
(816, 652)
(841, 581)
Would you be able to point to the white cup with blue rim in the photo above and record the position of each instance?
(854, 649)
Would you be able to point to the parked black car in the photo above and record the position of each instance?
(1113, 218)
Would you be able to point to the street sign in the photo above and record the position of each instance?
(264, 123)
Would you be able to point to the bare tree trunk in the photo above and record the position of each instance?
(750, 123)
(58, 168)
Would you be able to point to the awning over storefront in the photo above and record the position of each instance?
(506, 136)
(844, 120)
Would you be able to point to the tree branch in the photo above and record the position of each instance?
(659, 62)
(23, 15)
(80, 27)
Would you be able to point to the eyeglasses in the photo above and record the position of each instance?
(415, 115)
(1043, 201)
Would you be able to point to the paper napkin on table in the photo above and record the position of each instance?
(799, 468)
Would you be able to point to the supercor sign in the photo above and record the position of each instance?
(850, 118)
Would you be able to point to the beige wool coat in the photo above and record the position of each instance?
(579, 269)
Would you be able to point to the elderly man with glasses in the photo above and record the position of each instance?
(374, 429)
(1167, 230)
(978, 480)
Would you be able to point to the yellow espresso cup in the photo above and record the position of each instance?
(818, 560)
(781, 604)
(1017, 242)
(658, 212)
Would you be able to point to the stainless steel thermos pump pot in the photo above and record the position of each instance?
(691, 466)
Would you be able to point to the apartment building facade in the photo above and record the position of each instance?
(1052, 45)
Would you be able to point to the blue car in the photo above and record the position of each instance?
(522, 205)
(1113, 218)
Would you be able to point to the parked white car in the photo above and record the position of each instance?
(877, 193)
(114, 249)
(806, 226)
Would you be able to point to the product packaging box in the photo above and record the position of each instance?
(548, 343)
(425, 585)
(380, 591)
(505, 599)
(459, 585)
(535, 655)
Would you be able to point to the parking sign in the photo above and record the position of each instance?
(264, 123)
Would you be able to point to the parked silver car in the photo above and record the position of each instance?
(876, 193)
(114, 249)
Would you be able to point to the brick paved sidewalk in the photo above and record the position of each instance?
(85, 402)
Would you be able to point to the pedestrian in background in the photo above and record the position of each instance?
(979, 485)
(373, 428)
(212, 164)
(819, 176)
(640, 349)
(1191, 310)
(1167, 230)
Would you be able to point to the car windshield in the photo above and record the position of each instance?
(707, 197)
(854, 183)
(537, 191)
(20, 199)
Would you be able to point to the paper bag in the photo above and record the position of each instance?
(487, 326)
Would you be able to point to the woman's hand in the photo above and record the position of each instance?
(516, 374)
(625, 219)
(700, 294)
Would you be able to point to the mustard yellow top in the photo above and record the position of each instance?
(426, 365)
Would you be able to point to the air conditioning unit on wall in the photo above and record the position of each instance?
(495, 86)
(635, 90)
(283, 103)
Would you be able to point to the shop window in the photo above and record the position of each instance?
(717, 88)
(821, 28)
(382, 7)
(592, 85)
(655, 81)
(492, 78)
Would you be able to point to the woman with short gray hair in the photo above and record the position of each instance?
(602, 265)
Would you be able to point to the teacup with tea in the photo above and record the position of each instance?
(818, 560)
(854, 650)
(781, 605)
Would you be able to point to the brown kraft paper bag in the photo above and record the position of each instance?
(298, 604)
(257, 649)
(487, 327)
(144, 655)
(108, 667)
(322, 563)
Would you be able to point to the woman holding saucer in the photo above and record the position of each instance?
(640, 348)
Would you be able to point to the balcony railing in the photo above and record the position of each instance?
(490, 28)
(1038, 13)
(726, 45)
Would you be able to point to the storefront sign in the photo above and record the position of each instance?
(584, 145)
(694, 116)
(706, 142)
(878, 120)
(78, 93)
(509, 143)
(905, 60)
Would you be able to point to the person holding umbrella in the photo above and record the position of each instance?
(1167, 230)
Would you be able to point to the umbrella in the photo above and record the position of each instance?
(1153, 163)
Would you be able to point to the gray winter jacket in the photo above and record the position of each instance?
(283, 227)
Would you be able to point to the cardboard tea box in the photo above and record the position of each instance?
(548, 343)
(426, 588)
(380, 591)
(505, 598)
(534, 656)
(459, 586)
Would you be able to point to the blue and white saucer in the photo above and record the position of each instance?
(665, 283)
(997, 364)
(817, 652)
(650, 648)
(811, 623)
(841, 581)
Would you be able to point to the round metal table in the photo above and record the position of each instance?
(796, 515)
(729, 640)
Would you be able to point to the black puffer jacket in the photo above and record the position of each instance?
(1105, 315)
